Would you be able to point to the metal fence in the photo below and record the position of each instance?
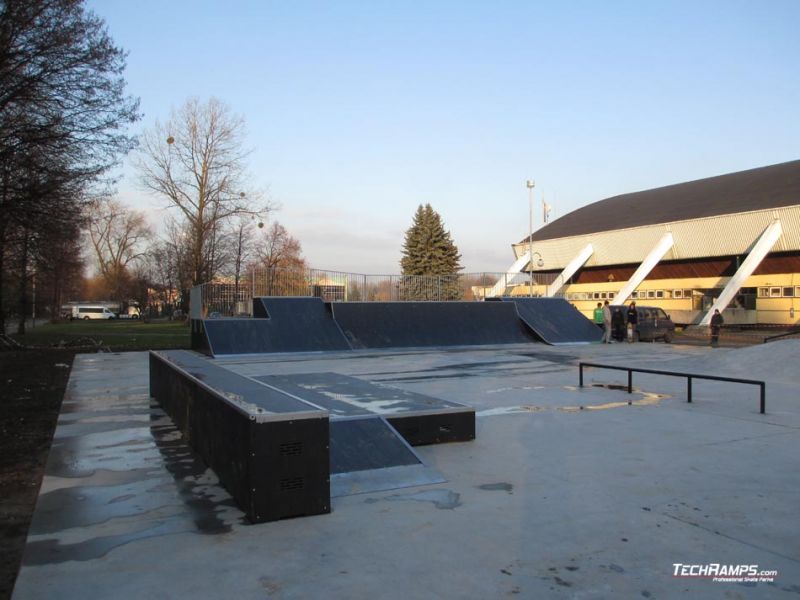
(231, 297)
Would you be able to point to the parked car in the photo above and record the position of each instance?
(654, 324)
(86, 312)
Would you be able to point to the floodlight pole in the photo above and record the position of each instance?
(530, 185)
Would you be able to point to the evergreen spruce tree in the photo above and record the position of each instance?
(430, 262)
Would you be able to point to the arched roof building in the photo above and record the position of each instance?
(731, 241)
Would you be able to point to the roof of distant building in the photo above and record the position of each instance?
(755, 189)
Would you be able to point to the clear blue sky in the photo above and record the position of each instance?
(359, 111)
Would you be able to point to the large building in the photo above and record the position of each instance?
(730, 242)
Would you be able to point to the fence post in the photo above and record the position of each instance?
(580, 374)
(689, 390)
(763, 397)
(630, 381)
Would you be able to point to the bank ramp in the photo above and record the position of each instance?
(280, 325)
(421, 324)
(554, 320)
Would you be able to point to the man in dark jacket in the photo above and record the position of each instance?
(618, 323)
(716, 324)
(633, 319)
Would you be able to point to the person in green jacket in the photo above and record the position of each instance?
(598, 315)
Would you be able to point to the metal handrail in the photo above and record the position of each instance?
(689, 377)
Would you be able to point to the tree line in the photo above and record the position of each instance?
(65, 121)
(213, 222)
(64, 116)
(65, 124)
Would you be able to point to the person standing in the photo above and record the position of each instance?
(633, 319)
(618, 323)
(716, 325)
(598, 315)
(606, 311)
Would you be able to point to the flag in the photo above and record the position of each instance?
(546, 208)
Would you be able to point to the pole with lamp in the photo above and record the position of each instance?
(530, 184)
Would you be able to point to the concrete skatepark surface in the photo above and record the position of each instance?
(565, 492)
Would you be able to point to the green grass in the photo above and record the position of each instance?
(119, 335)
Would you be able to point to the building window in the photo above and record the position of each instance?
(677, 293)
(659, 293)
(775, 292)
(788, 292)
(687, 293)
(763, 292)
(651, 293)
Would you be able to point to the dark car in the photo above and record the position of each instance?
(654, 324)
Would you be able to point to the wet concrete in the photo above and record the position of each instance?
(566, 492)
(118, 474)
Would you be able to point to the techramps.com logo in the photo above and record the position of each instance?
(724, 573)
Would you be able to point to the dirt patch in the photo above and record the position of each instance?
(33, 384)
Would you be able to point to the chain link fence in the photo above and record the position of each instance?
(232, 298)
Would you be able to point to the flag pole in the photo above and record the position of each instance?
(530, 185)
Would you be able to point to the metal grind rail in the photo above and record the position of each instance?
(689, 378)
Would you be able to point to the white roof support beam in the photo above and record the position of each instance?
(651, 260)
(499, 288)
(570, 270)
(760, 250)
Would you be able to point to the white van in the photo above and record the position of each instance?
(87, 312)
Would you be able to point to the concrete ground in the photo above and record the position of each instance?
(550, 501)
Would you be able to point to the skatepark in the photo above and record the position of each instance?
(539, 488)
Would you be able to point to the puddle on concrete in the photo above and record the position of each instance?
(524, 388)
(104, 508)
(561, 359)
(612, 386)
(441, 499)
(497, 487)
(479, 368)
(645, 399)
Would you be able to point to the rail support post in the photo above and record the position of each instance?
(630, 381)
(580, 374)
(763, 398)
(689, 390)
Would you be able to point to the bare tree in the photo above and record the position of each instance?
(59, 269)
(242, 249)
(196, 161)
(63, 115)
(278, 249)
(117, 234)
(169, 266)
(282, 257)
